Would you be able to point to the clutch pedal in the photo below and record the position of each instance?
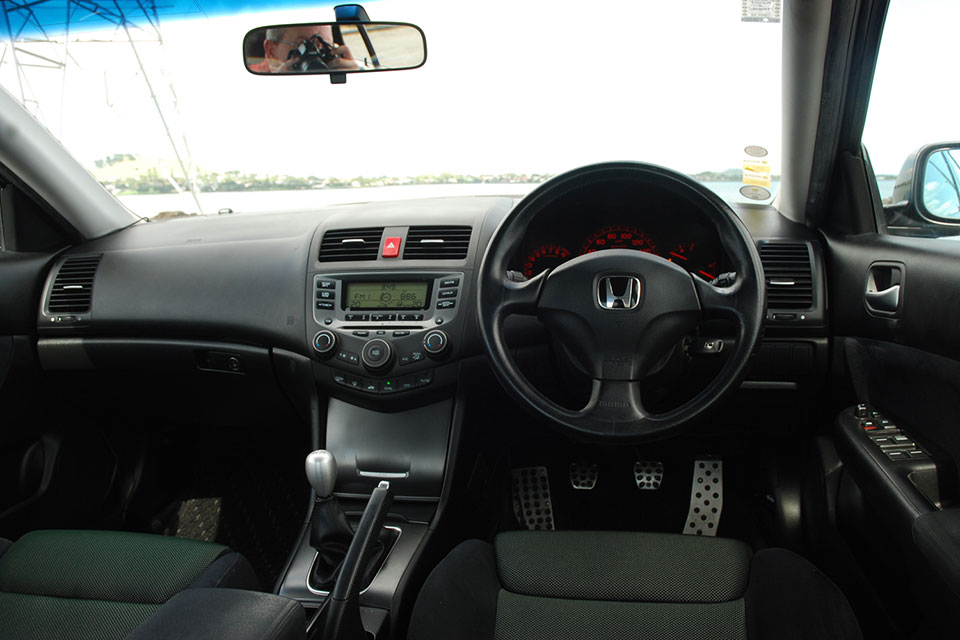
(531, 498)
(706, 498)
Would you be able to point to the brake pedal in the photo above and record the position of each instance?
(531, 498)
(584, 476)
(706, 498)
(648, 474)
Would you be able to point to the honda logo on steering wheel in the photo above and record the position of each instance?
(618, 292)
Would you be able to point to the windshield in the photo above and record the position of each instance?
(156, 102)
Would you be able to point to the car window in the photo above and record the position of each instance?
(912, 128)
(164, 113)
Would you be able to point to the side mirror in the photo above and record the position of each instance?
(928, 186)
(334, 48)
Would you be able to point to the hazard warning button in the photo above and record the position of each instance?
(391, 247)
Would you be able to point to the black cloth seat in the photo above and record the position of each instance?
(561, 585)
(100, 585)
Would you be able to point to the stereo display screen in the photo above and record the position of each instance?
(387, 295)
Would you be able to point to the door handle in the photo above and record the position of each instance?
(887, 300)
(883, 293)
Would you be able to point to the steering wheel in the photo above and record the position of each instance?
(619, 312)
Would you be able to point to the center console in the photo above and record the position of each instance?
(384, 333)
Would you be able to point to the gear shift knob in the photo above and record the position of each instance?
(321, 468)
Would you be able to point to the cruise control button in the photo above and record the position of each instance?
(447, 293)
(446, 304)
(326, 305)
(449, 282)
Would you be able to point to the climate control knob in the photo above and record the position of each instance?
(377, 355)
(324, 342)
(435, 342)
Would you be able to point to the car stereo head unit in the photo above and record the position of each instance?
(421, 297)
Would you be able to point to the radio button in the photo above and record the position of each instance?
(446, 304)
(400, 334)
(325, 295)
(361, 334)
(356, 317)
(326, 284)
(447, 293)
(449, 282)
(325, 305)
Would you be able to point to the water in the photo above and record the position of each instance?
(149, 205)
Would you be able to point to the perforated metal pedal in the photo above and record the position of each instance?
(648, 474)
(706, 498)
(531, 498)
(583, 476)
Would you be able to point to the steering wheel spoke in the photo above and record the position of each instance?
(520, 298)
(615, 402)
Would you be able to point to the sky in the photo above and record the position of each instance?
(508, 86)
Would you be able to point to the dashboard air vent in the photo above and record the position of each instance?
(72, 289)
(350, 244)
(437, 243)
(786, 269)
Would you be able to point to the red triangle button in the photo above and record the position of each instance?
(391, 247)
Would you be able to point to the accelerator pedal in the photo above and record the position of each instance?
(531, 498)
(706, 498)
(583, 476)
(648, 474)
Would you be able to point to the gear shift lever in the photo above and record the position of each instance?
(321, 468)
(330, 531)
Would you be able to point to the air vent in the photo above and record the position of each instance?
(350, 244)
(73, 287)
(437, 243)
(786, 269)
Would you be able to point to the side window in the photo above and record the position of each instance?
(913, 136)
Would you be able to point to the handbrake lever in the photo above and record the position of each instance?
(343, 608)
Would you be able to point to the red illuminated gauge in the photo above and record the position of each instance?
(687, 255)
(544, 257)
(618, 237)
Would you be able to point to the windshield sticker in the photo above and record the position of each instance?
(760, 11)
(755, 151)
(754, 193)
(756, 173)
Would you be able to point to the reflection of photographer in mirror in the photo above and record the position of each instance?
(303, 49)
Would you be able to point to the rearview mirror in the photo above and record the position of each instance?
(334, 48)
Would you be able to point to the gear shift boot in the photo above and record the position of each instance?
(330, 535)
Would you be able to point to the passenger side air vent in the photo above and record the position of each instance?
(350, 244)
(72, 289)
(437, 243)
(786, 270)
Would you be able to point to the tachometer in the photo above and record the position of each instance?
(544, 257)
(619, 237)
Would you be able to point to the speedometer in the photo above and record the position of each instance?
(619, 237)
